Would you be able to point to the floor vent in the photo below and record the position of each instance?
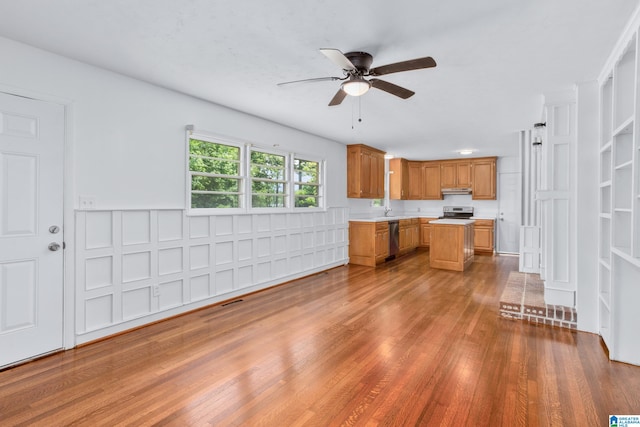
(232, 302)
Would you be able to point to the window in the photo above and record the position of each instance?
(216, 175)
(227, 176)
(306, 183)
(268, 180)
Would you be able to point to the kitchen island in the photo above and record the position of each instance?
(451, 244)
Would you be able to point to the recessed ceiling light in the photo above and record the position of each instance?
(465, 152)
(388, 156)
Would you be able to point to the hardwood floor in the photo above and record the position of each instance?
(400, 345)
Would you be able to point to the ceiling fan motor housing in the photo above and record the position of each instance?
(361, 60)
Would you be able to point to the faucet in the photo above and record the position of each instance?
(387, 210)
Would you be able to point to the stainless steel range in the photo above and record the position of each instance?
(457, 212)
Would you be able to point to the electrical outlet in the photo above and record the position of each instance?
(87, 202)
(156, 290)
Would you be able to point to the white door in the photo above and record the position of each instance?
(31, 260)
(508, 238)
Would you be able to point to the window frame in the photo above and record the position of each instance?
(245, 185)
(249, 180)
(321, 183)
(241, 175)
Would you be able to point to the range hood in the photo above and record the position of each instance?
(446, 191)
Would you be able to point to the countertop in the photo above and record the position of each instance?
(396, 218)
(452, 221)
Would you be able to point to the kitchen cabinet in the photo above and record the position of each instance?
(414, 170)
(398, 179)
(365, 172)
(451, 245)
(382, 241)
(368, 242)
(455, 174)
(483, 178)
(409, 235)
(425, 231)
(431, 181)
(483, 238)
(424, 180)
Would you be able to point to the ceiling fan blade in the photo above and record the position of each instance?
(338, 58)
(338, 98)
(317, 79)
(391, 88)
(412, 64)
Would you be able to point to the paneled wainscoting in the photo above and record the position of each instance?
(135, 267)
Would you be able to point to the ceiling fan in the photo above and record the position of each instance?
(356, 66)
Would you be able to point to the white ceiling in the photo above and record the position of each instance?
(495, 59)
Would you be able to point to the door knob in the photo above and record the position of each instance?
(53, 246)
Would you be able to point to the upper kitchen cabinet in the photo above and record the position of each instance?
(398, 179)
(365, 172)
(483, 178)
(431, 181)
(424, 180)
(455, 174)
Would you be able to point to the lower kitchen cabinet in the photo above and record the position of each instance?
(451, 246)
(368, 242)
(425, 232)
(409, 235)
(483, 238)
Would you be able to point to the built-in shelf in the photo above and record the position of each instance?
(625, 128)
(619, 203)
(624, 76)
(625, 165)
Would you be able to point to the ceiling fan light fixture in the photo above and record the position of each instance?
(356, 86)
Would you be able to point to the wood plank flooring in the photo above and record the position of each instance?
(400, 345)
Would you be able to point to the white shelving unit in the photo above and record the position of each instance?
(619, 205)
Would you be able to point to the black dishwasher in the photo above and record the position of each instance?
(394, 238)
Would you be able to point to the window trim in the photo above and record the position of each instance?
(321, 183)
(286, 181)
(245, 195)
(241, 175)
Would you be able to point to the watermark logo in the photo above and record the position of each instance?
(624, 420)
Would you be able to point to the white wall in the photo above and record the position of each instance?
(125, 147)
(129, 135)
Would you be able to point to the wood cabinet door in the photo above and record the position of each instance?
(365, 174)
(415, 236)
(448, 174)
(354, 161)
(398, 179)
(431, 181)
(415, 180)
(377, 175)
(484, 179)
(483, 239)
(425, 234)
(463, 174)
(382, 244)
